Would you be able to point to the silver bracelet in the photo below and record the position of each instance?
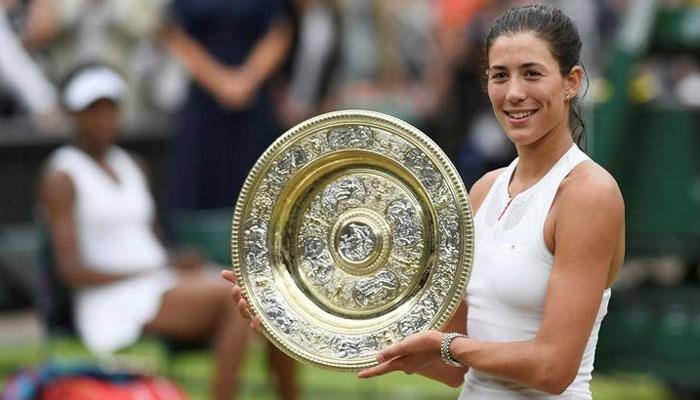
(445, 348)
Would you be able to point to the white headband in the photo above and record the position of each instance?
(92, 84)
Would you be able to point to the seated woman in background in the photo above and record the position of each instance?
(100, 215)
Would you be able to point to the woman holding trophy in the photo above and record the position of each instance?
(549, 234)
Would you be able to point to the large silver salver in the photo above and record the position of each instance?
(352, 231)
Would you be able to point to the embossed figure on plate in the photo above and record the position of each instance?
(449, 236)
(424, 168)
(316, 264)
(402, 215)
(357, 241)
(350, 191)
(278, 314)
(350, 136)
(377, 290)
(255, 243)
(350, 348)
(421, 316)
(295, 158)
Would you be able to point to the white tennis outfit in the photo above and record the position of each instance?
(114, 234)
(508, 284)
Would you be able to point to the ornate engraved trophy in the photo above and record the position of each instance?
(352, 232)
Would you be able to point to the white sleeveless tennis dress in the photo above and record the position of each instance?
(114, 234)
(508, 284)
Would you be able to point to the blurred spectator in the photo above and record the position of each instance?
(22, 76)
(389, 59)
(230, 49)
(667, 81)
(73, 32)
(464, 125)
(100, 216)
(460, 95)
(313, 61)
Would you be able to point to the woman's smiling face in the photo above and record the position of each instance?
(528, 93)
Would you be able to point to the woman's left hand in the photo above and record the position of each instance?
(411, 355)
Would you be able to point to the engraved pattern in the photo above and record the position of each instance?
(285, 165)
(407, 229)
(255, 244)
(449, 236)
(351, 136)
(313, 248)
(291, 161)
(418, 162)
(316, 263)
(335, 288)
(346, 347)
(418, 318)
(274, 309)
(348, 191)
(321, 340)
(357, 241)
(411, 239)
(382, 287)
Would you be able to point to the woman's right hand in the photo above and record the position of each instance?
(243, 307)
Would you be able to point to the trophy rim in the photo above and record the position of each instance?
(448, 172)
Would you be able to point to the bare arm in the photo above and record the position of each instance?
(481, 188)
(22, 75)
(42, 25)
(240, 85)
(588, 223)
(57, 198)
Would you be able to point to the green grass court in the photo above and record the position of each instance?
(192, 371)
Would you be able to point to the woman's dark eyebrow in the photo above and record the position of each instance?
(531, 64)
(522, 66)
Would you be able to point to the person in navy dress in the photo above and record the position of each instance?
(230, 49)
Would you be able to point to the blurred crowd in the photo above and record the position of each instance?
(415, 59)
(418, 60)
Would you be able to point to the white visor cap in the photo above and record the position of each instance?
(92, 84)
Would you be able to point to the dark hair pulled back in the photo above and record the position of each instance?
(559, 32)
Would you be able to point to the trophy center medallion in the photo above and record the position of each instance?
(360, 241)
(357, 241)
